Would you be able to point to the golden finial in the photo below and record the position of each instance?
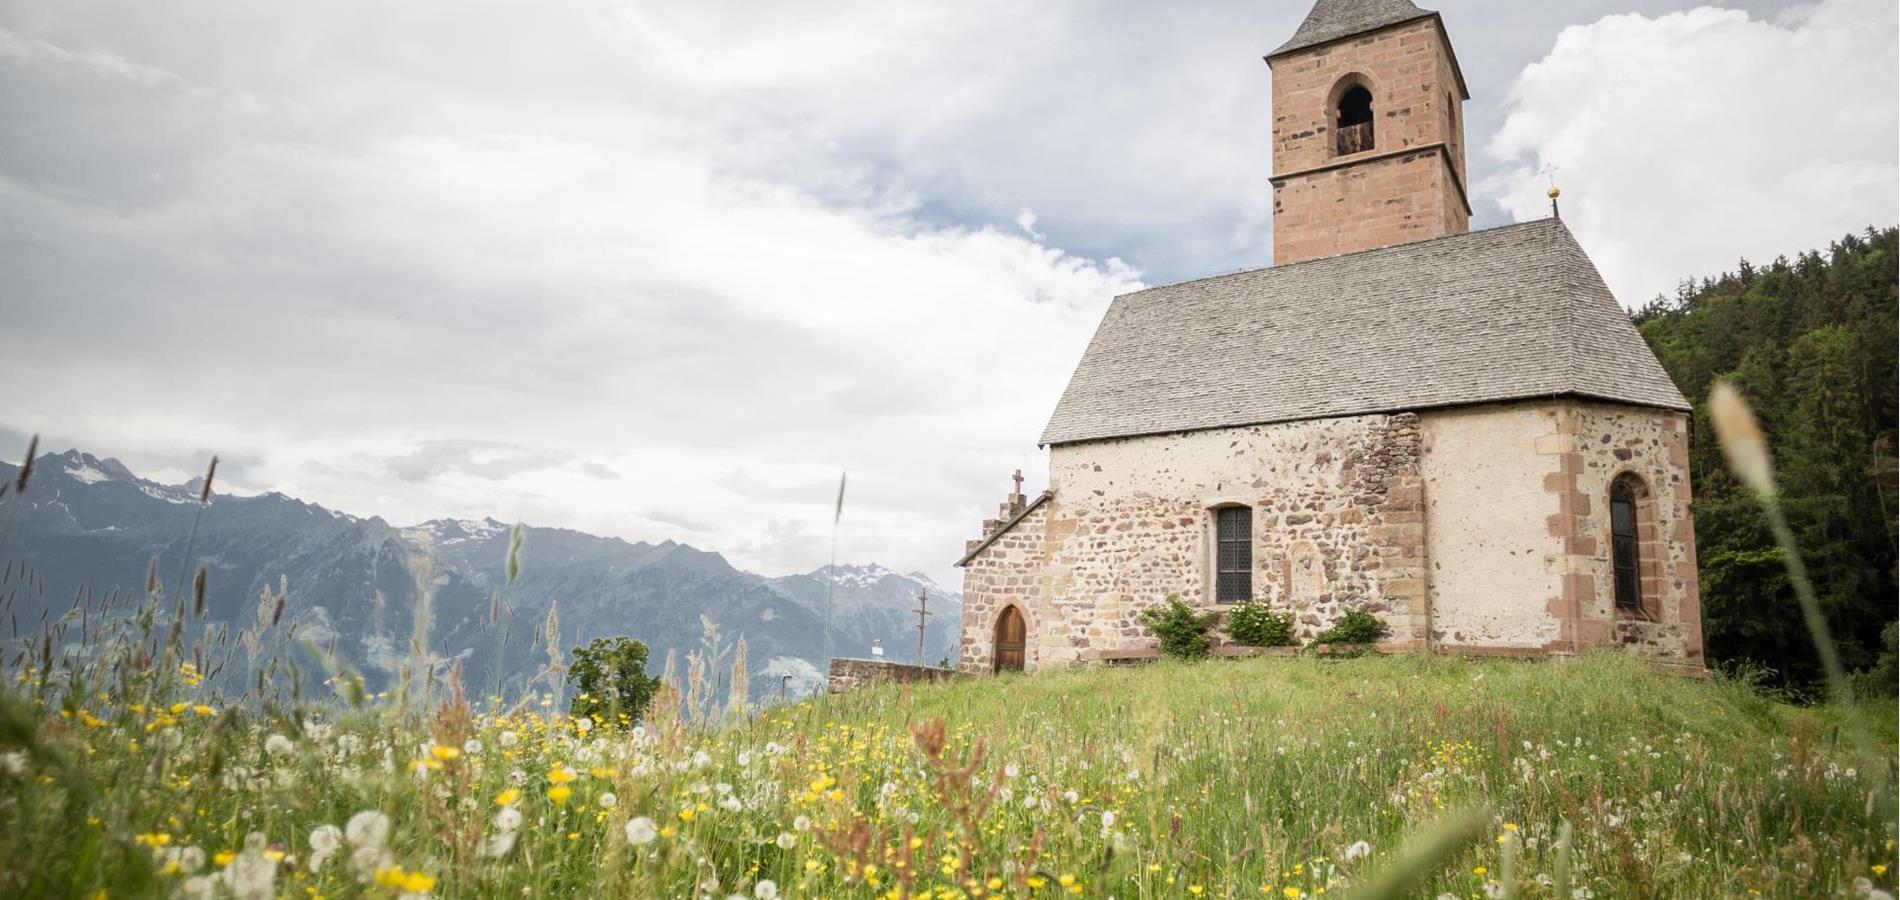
(1551, 173)
(1553, 192)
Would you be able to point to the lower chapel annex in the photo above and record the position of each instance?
(1460, 432)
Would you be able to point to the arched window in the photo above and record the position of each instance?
(1353, 119)
(1626, 543)
(1233, 554)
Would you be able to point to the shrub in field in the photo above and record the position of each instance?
(1182, 631)
(611, 682)
(1355, 627)
(1252, 623)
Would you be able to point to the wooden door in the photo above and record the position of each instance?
(1010, 638)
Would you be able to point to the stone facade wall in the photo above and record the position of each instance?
(1009, 572)
(1338, 522)
(1608, 441)
(1494, 566)
(1377, 203)
(1500, 583)
(1477, 529)
(1409, 186)
(851, 674)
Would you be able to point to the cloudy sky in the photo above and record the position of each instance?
(664, 269)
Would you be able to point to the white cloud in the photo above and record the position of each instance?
(655, 270)
(1685, 141)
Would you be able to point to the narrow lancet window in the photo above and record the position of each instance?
(1233, 554)
(1623, 547)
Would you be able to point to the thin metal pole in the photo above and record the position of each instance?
(923, 609)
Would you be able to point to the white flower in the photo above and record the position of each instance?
(584, 724)
(250, 876)
(731, 804)
(508, 738)
(1358, 850)
(801, 823)
(367, 829)
(498, 845)
(766, 889)
(13, 762)
(1071, 797)
(701, 759)
(508, 819)
(279, 746)
(787, 840)
(641, 831)
(606, 800)
(1012, 770)
(326, 838)
(198, 887)
(472, 747)
(364, 861)
(191, 859)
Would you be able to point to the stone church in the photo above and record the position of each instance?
(1458, 431)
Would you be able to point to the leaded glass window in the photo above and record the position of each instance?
(1233, 554)
(1623, 547)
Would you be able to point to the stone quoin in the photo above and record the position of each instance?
(1459, 432)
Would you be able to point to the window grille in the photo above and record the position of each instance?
(1233, 554)
(1623, 547)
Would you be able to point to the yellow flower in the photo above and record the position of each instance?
(223, 858)
(1479, 870)
(687, 814)
(995, 883)
(508, 797)
(1291, 893)
(1880, 869)
(444, 752)
(1196, 890)
(561, 775)
(203, 710)
(559, 793)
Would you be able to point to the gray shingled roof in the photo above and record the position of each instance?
(1503, 314)
(1331, 20)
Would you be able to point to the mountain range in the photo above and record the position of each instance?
(88, 527)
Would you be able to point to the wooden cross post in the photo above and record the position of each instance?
(923, 611)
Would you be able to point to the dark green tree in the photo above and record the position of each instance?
(1812, 343)
(611, 685)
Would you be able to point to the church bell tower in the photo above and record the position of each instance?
(1368, 131)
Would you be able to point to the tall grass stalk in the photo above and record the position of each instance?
(1746, 449)
(197, 518)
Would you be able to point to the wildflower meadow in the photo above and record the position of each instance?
(132, 776)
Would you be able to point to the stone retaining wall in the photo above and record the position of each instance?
(851, 674)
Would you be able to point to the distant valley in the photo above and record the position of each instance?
(88, 526)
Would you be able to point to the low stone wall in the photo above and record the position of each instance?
(851, 674)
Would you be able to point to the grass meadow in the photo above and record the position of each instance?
(1277, 777)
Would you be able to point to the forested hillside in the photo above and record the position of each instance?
(1811, 343)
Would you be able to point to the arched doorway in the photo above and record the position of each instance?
(1011, 632)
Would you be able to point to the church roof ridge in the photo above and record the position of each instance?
(1317, 260)
(1332, 20)
(1508, 313)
